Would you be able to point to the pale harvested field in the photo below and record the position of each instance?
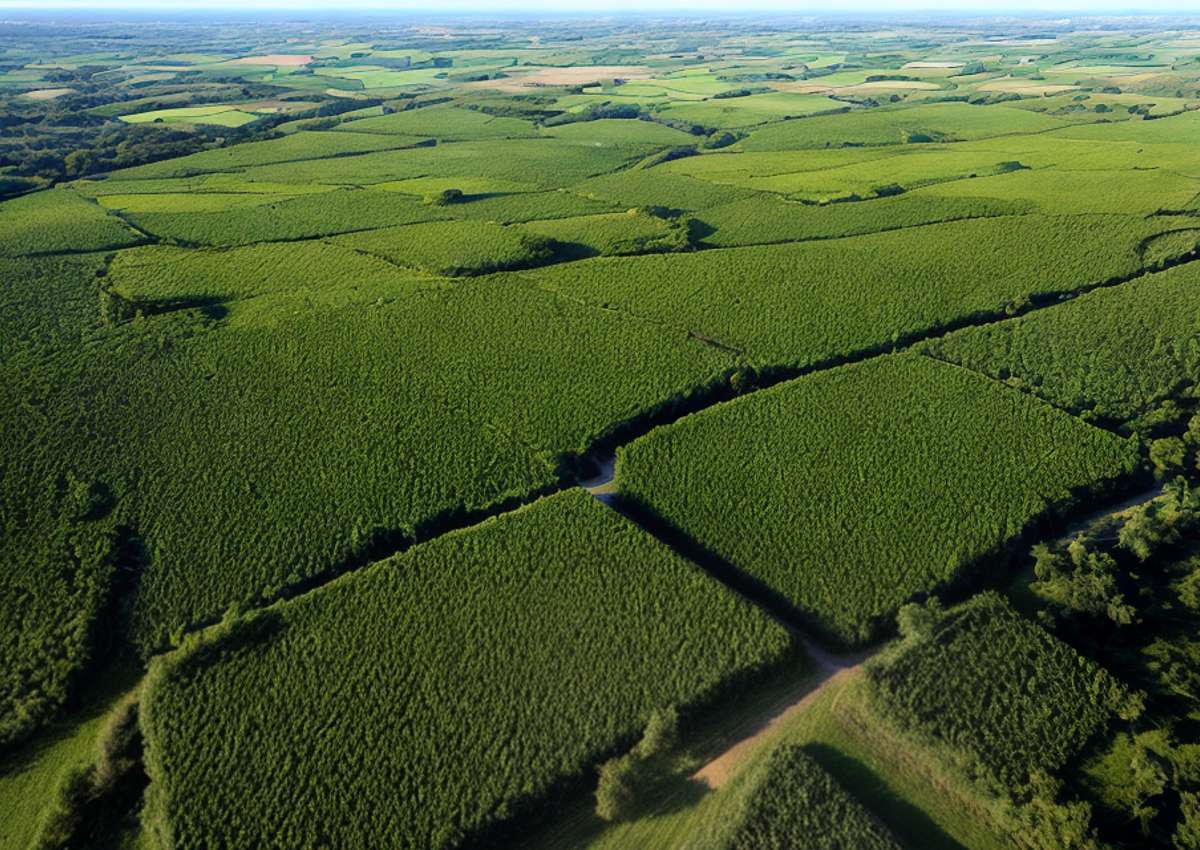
(521, 78)
(47, 94)
(275, 59)
(1023, 87)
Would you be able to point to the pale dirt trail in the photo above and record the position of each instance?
(774, 716)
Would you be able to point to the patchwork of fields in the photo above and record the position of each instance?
(296, 419)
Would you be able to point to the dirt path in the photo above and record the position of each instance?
(1097, 521)
(774, 716)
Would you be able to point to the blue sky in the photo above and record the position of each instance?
(811, 7)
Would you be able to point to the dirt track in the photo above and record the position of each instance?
(830, 669)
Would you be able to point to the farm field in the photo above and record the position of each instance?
(599, 433)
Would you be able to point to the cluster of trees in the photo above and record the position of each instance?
(623, 780)
(1001, 694)
(1008, 704)
(867, 532)
(1128, 592)
(86, 803)
(579, 626)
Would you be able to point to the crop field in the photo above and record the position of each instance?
(453, 433)
(807, 303)
(1113, 355)
(797, 804)
(554, 600)
(59, 220)
(845, 518)
(1001, 694)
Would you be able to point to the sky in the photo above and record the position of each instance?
(700, 7)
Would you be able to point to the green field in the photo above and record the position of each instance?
(553, 601)
(843, 518)
(495, 432)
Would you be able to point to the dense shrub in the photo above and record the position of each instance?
(1000, 694)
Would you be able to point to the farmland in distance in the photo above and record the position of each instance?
(600, 433)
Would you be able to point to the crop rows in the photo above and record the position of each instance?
(445, 123)
(309, 145)
(306, 216)
(453, 247)
(1114, 354)
(59, 220)
(763, 220)
(804, 304)
(1001, 694)
(845, 493)
(292, 408)
(934, 123)
(444, 691)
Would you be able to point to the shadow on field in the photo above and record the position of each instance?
(912, 826)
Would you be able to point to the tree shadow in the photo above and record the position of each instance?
(911, 825)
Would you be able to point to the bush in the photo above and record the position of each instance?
(445, 197)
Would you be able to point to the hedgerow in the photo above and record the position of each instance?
(844, 517)
(795, 804)
(58, 220)
(805, 304)
(486, 670)
(1002, 696)
(1114, 354)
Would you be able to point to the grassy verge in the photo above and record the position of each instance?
(29, 776)
(926, 807)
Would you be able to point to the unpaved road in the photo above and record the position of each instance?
(831, 668)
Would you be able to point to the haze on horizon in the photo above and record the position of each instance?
(1038, 8)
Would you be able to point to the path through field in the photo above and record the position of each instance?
(760, 727)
